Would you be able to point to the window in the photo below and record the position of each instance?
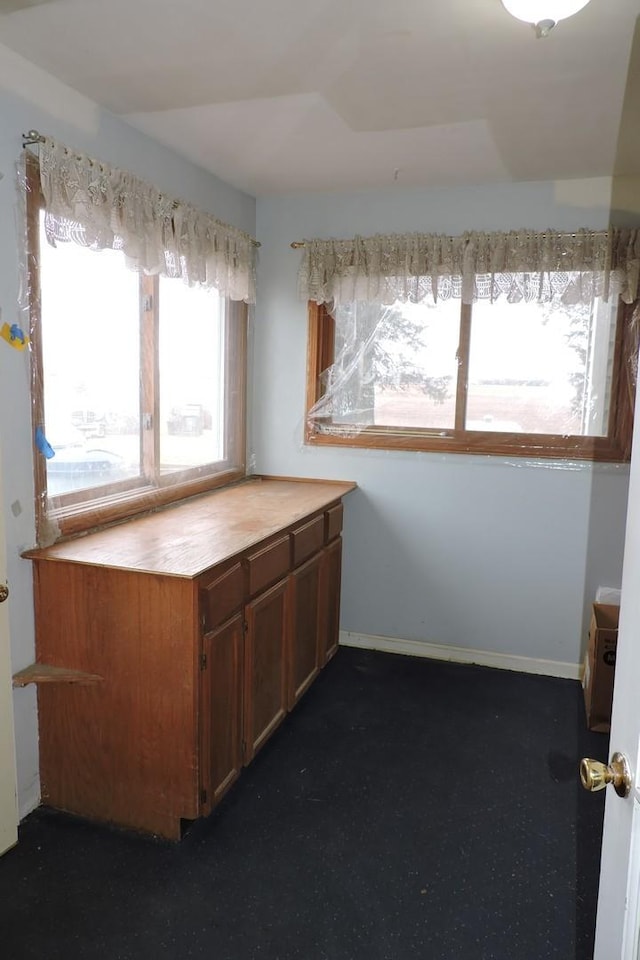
(138, 384)
(514, 379)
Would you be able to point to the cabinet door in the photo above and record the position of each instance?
(265, 688)
(221, 711)
(305, 627)
(330, 600)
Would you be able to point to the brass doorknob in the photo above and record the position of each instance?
(4, 592)
(596, 775)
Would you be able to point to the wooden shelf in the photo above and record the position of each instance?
(44, 673)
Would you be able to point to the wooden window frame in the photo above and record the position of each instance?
(78, 511)
(615, 447)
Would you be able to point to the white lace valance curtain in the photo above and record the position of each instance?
(519, 265)
(99, 206)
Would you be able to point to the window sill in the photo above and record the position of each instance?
(74, 520)
(552, 447)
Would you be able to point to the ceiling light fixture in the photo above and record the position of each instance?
(543, 14)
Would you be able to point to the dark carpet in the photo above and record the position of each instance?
(406, 809)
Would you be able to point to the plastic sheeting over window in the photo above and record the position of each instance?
(137, 381)
(547, 379)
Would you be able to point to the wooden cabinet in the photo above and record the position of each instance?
(182, 638)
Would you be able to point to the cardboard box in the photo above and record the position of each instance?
(600, 665)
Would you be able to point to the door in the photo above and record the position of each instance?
(616, 926)
(305, 623)
(8, 804)
(330, 600)
(265, 683)
(221, 711)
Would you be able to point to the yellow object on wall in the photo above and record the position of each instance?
(14, 336)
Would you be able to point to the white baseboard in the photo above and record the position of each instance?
(29, 800)
(485, 658)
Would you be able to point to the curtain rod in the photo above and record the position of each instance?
(34, 137)
(300, 244)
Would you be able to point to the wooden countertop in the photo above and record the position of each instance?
(188, 538)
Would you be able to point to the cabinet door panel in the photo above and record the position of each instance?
(221, 711)
(330, 600)
(305, 624)
(265, 667)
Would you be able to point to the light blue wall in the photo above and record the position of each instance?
(468, 551)
(29, 98)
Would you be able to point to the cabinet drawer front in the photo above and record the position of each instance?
(268, 565)
(221, 597)
(307, 540)
(334, 522)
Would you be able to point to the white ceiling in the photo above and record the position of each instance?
(279, 95)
